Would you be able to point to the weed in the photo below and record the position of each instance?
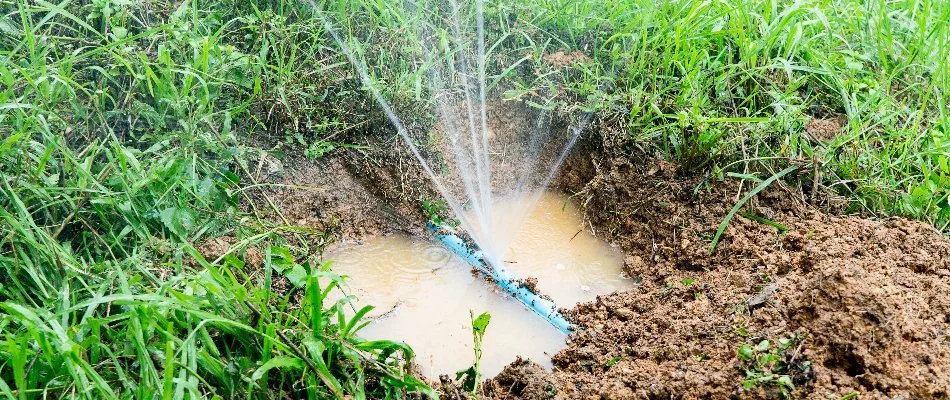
(471, 376)
(119, 159)
(729, 88)
(762, 220)
(849, 396)
(322, 148)
(779, 365)
(764, 184)
(123, 147)
(613, 360)
(437, 212)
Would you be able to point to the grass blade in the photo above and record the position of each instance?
(751, 194)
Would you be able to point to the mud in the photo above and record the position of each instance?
(345, 199)
(870, 298)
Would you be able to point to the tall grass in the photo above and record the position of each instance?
(720, 86)
(730, 86)
(119, 158)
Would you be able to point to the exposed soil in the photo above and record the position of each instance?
(348, 199)
(869, 300)
(562, 58)
(826, 128)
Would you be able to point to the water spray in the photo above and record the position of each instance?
(475, 155)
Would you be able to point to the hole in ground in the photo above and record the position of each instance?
(423, 293)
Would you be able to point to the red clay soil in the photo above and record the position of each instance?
(868, 300)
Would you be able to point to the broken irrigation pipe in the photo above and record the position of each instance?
(504, 278)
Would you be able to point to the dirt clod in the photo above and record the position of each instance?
(562, 58)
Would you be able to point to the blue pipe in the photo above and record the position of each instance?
(506, 279)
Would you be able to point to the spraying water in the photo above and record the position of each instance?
(478, 164)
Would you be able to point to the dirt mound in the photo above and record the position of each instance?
(860, 306)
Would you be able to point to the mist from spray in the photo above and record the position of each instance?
(480, 166)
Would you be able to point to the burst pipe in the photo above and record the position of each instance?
(504, 278)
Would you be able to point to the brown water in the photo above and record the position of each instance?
(423, 294)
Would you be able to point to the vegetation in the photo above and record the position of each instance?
(777, 365)
(120, 160)
(736, 87)
(471, 376)
(126, 132)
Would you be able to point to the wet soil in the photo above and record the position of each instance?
(348, 196)
(869, 300)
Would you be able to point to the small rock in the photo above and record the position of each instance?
(763, 296)
(623, 313)
(943, 272)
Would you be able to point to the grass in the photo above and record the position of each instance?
(723, 87)
(729, 86)
(119, 159)
(127, 130)
(775, 365)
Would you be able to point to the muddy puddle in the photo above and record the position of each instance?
(424, 295)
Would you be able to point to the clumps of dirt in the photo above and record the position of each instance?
(219, 247)
(825, 129)
(562, 58)
(870, 299)
(531, 284)
(523, 379)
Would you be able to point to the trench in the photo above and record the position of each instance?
(425, 295)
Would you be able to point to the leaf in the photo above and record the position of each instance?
(317, 349)
(178, 220)
(752, 193)
(349, 328)
(612, 361)
(481, 323)
(766, 221)
(297, 275)
(279, 362)
(786, 381)
(763, 346)
(281, 258)
(120, 32)
(745, 352)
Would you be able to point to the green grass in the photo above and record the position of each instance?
(119, 156)
(126, 130)
(719, 86)
(728, 86)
